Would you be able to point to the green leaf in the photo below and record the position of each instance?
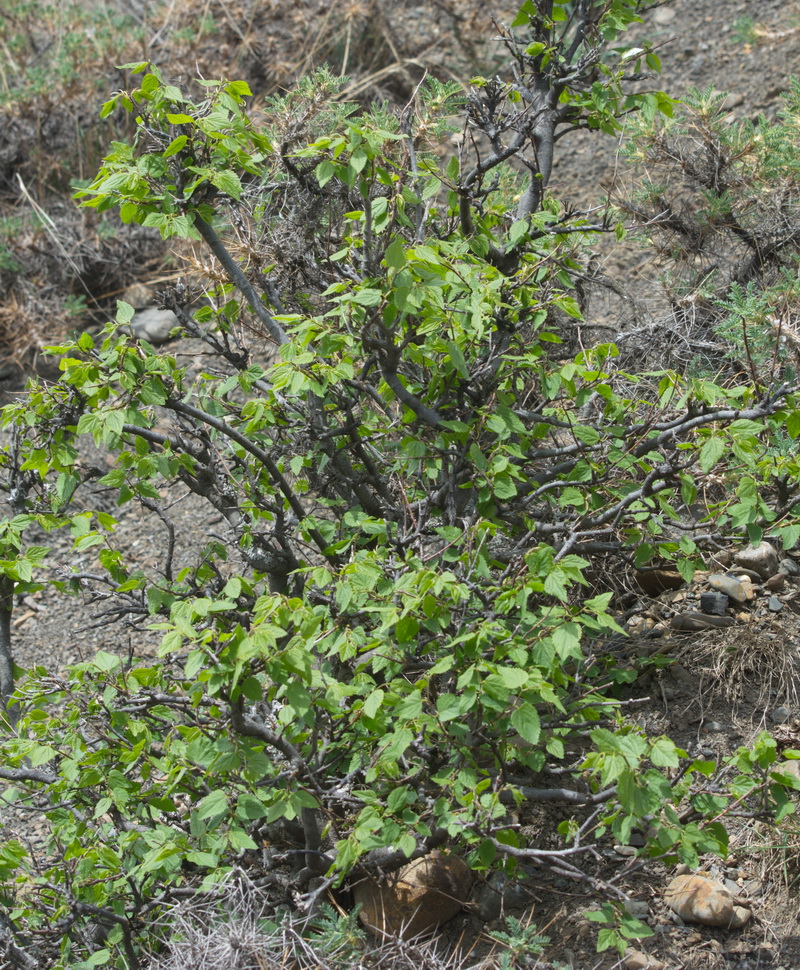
(124, 312)
(525, 721)
(213, 805)
(373, 702)
(395, 255)
(711, 452)
(229, 183)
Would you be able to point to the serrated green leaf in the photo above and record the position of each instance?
(525, 721)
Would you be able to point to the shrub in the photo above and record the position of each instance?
(400, 638)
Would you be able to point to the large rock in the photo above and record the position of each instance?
(415, 899)
(763, 559)
(698, 899)
(153, 325)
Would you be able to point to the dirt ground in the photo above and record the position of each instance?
(723, 687)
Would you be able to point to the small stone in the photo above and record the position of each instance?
(714, 727)
(729, 586)
(780, 715)
(682, 675)
(776, 583)
(691, 622)
(754, 888)
(495, 895)
(625, 850)
(663, 16)
(698, 899)
(639, 960)
(639, 908)
(732, 101)
(774, 604)
(789, 768)
(153, 325)
(640, 624)
(741, 914)
(747, 585)
(763, 559)
(788, 567)
(713, 602)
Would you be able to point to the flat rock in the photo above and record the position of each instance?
(692, 622)
(639, 960)
(729, 586)
(415, 899)
(762, 559)
(698, 899)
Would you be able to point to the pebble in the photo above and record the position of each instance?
(789, 567)
(729, 586)
(714, 727)
(776, 583)
(763, 559)
(780, 715)
(774, 604)
(682, 675)
(788, 768)
(663, 16)
(497, 894)
(639, 960)
(639, 908)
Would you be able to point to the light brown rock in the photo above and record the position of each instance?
(415, 899)
(139, 295)
(698, 899)
(729, 586)
(741, 914)
(639, 960)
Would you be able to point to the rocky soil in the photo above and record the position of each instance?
(727, 681)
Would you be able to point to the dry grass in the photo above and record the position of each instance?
(747, 663)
